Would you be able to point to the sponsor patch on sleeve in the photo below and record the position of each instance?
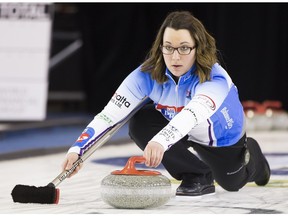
(120, 101)
(104, 118)
(170, 133)
(85, 137)
(205, 100)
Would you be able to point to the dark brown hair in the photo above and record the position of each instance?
(206, 51)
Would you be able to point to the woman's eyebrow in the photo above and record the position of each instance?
(167, 42)
(185, 42)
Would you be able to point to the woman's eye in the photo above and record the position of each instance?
(168, 48)
(184, 48)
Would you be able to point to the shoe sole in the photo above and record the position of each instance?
(185, 197)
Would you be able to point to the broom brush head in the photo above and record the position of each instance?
(31, 194)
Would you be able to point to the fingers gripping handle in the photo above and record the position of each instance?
(66, 173)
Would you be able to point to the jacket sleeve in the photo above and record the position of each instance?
(207, 99)
(125, 99)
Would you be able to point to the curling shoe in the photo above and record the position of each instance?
(195, 189)
(263, 169)
(266, 175)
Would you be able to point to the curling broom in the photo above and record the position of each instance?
(50, 194)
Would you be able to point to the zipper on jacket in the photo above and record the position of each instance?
(176, 92)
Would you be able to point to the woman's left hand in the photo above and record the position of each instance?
(153, 153)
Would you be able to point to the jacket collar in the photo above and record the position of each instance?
(184, 78)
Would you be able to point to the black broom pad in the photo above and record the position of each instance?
(32, 194)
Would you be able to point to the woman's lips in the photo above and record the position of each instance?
(176, 66)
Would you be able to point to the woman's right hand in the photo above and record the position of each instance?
(70, 159)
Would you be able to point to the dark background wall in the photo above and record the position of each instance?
(251, 37)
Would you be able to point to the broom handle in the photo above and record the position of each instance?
(98, 143)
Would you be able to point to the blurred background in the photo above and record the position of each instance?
(115, 38)
(94, 46)
(98, 44)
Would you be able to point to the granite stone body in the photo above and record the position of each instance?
(135, 191)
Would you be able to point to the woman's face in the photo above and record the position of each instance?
(176, 63)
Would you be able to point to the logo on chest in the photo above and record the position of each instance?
(169, 111)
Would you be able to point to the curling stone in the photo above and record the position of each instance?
(278, 114)
(130, 188)
(257, 116)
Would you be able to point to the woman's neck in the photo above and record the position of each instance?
(175, 78)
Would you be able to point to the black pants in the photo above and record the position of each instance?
(225, 164)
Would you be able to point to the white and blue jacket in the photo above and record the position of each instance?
(210, 113)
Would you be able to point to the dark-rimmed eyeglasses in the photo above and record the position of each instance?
(183, 50)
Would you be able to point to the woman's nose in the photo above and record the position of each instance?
(176, 55)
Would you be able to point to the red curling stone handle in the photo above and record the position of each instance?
(130, 169)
